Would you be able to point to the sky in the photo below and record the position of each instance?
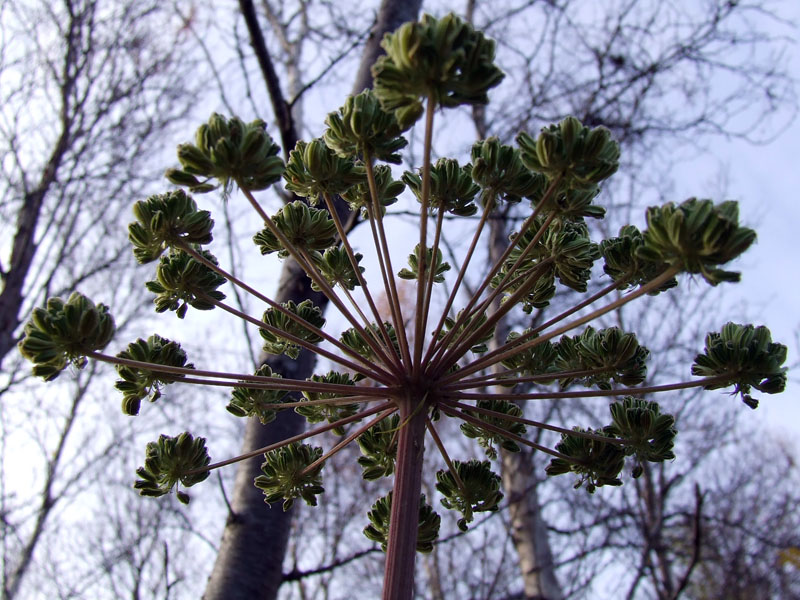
(765, 179)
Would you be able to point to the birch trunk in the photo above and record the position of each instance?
(528, 529)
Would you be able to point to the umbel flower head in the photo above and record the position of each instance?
(743, 356)
(64, 332)
(169, 461)
(396, 377)
(229, 151)
(166, 221)
(362, 128)
(442, 59)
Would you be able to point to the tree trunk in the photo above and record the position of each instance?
(24, 246)
(250, 559)
(528, 530)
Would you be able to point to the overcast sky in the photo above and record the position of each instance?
(765, 179)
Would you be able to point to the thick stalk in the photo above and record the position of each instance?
(401, 551)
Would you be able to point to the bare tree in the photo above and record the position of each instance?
(87, 91)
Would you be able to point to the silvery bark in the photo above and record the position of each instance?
(528, 529)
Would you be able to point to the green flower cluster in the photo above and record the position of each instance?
(427, 527)
(477, 489)
(278, 344)
(571, 152)
(638, 429)
(378, 445)
(63, 333)
(362, 128)
(286, 475)
(165, 221)
(139, 383)
(386, 189)
(490, 436)
(444, 59)
(169, 462)
(302, 226)
(624, 263)
(316, 413)
(498, 169)
(697, 236)
(613, 354)
(315, 170)
(228, 150)
(335, 266)
(182, 281)
(452, 187)
(439, 266)
(256, 402)
(745, 356)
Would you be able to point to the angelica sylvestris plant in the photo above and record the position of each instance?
(396, 377)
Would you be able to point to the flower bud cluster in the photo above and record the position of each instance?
(137, 384)
(229, 151)
(444, 59)
(748, 356)
(286, 475)
(379, 516)
(256, 402)
(167, 220)
(477, 491)
(697, 236)
(362, 128)
(570, 151)
(167, 462)
(63, 333)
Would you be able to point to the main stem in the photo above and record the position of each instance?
(401, 551)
